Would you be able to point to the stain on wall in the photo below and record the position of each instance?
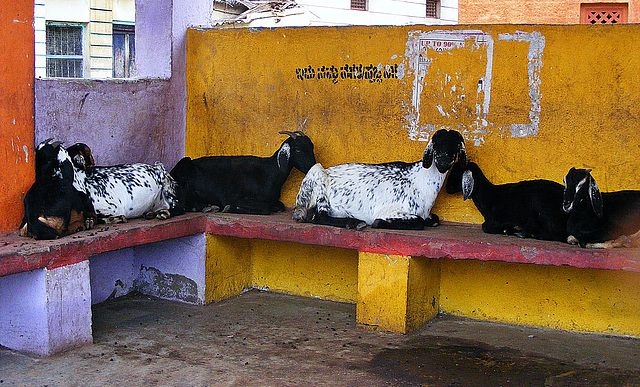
(16, 110)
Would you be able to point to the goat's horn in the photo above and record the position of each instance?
(290, 134)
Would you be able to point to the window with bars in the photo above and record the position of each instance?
(65, 51)
(361, 5)
(603, 13)
(432, 8)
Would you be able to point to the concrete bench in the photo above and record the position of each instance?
(47, 287)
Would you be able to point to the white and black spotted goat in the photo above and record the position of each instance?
(122, 192)
(391, 195)
(242, 184)
(600, 220)
(53, 207)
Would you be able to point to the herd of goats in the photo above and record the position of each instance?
(71, 193)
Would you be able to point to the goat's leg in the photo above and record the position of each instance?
(327, 220)
(413, 223)
(249, 206)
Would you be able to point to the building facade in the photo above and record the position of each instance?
(548, 12)
(285, 13)
(84, 38)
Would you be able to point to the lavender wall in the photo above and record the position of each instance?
(122, 121)
(139, 120)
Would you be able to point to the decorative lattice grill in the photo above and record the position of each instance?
(359, 4)
(432, 8)
(603, 13)
(603, 17)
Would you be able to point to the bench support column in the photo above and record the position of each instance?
(46, 311)
(396, 293)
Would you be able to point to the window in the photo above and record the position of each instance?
(432, 9)
(124, 50)
(64, 51)
(359, 4)
(603, 13)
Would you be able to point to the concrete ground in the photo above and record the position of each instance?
(267, 339)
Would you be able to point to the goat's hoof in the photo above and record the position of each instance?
(149, 215)
(89, 223)
(300, 214)
(163, 214)
(115, 219)
(432, 220)
(360, 226)
(23, 231)
(211, 209)
(572, 240)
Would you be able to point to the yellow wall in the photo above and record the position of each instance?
(243, 88)
(552, 97)
(602, 301)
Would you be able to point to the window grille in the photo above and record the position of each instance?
(359, 4)
(432, 8)
(603, 13)
(64, 51)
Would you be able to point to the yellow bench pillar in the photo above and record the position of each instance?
(396, 293)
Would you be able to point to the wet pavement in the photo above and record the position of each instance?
(267, 339)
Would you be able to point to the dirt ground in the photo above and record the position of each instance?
(267, 339)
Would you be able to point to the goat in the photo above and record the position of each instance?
(53, 207)
(242, 184)
(600, 220)
(122, 192)
(395, 195)
(527, 209)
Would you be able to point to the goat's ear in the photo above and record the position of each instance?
(462, 155)
(467, 184)
(283, 157)
(595, 196)
(427, 157)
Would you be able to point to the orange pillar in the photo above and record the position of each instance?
(16, 109)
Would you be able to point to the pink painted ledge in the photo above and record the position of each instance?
(449, 240)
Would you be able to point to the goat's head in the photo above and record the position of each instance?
(53, 160)
(81, 156)
(578, 186)
(461, 179)
(297, 152)
(442, 150)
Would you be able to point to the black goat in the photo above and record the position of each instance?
(242, 184)
(52, 206)
(527, 209)
(600, 220)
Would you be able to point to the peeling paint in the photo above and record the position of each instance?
(169, 286)
(26, 153)
(534, 66)
(418, 45)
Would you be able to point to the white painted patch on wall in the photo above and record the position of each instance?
(534, 65)
(419, 63)
(26, 153)
(445, 40)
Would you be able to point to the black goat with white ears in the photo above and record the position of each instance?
(527, 209)
(600, 220)
(242, 184)
(394, 195)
